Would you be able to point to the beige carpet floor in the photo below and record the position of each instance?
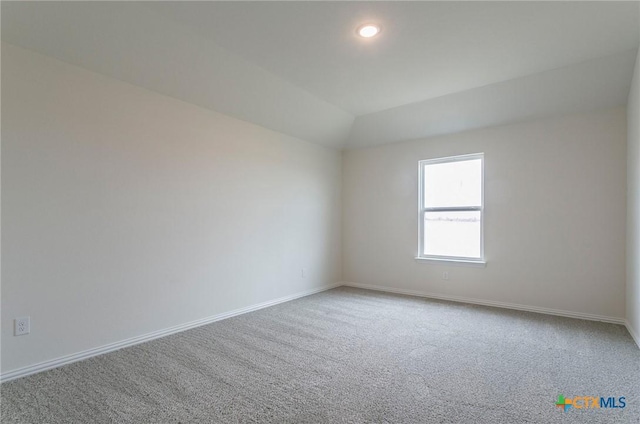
(348, 356)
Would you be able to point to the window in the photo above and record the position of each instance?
(451, 202)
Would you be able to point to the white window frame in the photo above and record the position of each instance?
(422, 210)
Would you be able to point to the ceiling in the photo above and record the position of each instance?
(426, 49)
(299, 68)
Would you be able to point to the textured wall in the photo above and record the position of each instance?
(126, 212)
(633, 204)
(555, 215)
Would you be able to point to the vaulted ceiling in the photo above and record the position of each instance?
(299, 67)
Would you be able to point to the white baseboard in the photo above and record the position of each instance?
(631, 331)
(68, 359)
(537, 309)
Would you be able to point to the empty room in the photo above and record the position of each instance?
(320, 212)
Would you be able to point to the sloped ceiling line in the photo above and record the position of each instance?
(296, 84)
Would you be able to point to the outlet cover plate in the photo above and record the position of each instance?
(21, 326)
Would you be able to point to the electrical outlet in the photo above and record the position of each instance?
(21, 326)
(303, 273)
(445, 275)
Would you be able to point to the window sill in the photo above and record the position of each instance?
(455, 262)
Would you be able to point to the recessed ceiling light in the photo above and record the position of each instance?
(368, 30)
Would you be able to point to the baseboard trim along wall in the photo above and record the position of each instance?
(75, 357)
(527, 308)
(540, 310)
(631, 331)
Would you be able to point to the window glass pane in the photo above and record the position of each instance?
(452, 234)
(453, 184)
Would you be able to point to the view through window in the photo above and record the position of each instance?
(451, 208)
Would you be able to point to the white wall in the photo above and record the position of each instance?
(633, 205)
(555, 215)
(125, 211)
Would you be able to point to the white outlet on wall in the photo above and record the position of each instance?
(21, 326)
(445, 275)
(303, 273)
